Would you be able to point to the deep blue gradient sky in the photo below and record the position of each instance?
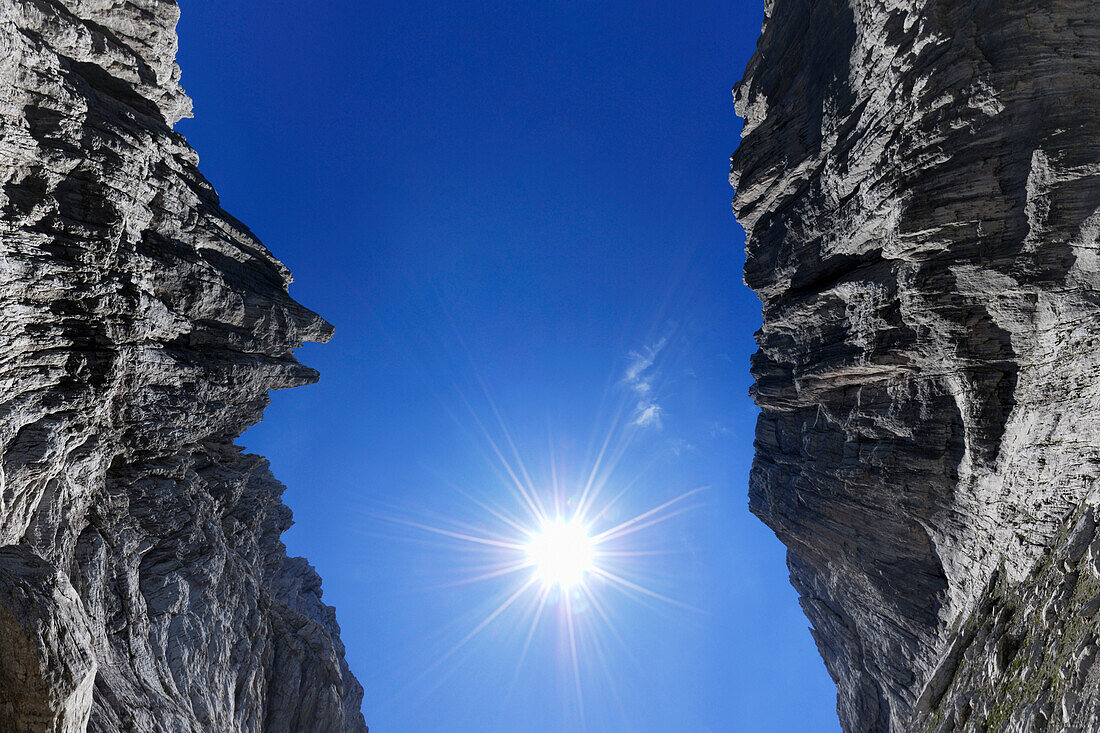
(512, 204)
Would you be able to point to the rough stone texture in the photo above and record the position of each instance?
(920, 185)
(143, 585)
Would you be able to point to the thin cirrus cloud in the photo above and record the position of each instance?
(640, 376)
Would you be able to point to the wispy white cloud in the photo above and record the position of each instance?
(680, 446)
(646, 414)
(719, 429)
(640, 377)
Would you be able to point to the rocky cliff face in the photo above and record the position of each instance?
(143, 585)
(920, 185)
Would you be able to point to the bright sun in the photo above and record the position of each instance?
(561, 553)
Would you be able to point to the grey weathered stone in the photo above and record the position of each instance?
(920, 185)
(143, 585)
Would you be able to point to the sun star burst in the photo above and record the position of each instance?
(567, 543)
(561, 553)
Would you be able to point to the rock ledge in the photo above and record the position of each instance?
(919, 181)
(143, 585)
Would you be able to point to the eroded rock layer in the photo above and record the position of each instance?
(920, 185)
(143, 585)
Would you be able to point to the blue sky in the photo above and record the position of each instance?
(517, 217)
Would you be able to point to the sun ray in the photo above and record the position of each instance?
(623, 582)
(456, 535)
(555, 489)
(526, 501)
(593, 486)
(573, 654)
(620, 529)
(476, 530)
(472, 529)
(512, 444)
(532, 502)
(495, 573)
(598, 645)
(544, 596)
(530, 496)
(626, 487)
(610, 624)
(582, 503)
(646, 525)
(498, 514)
(480, 627)
(608, 554)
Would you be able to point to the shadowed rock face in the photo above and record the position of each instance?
(143, 585)
(920, 186)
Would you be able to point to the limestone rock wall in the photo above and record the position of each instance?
(143, 585)
(919, 181)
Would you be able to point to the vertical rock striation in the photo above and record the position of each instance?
(920, 186)
(143, 585)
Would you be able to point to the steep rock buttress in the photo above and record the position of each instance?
(143, 584)
(919, 181)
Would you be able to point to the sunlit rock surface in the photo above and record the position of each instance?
(143, 585)
(920, 185)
